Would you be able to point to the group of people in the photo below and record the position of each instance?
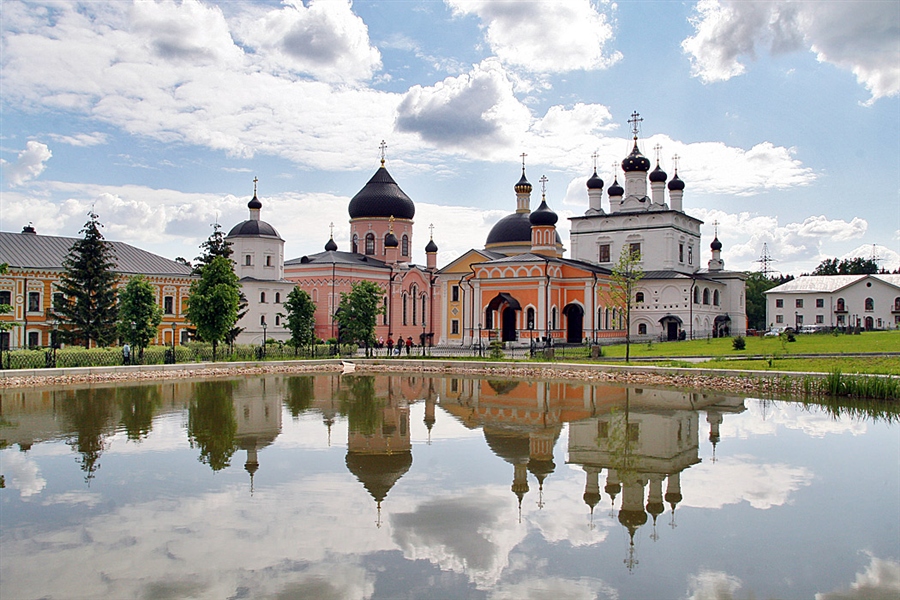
(395, 349)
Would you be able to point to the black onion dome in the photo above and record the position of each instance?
(254, 202)
(513, 228)
(615, 189)
(716, 244)
(595, 183)
(381, 197)
(431, 246)
(330, 245)
(253, 228)
(390, 240)
(635, 161)
(543, 215)
(523, 187)
(658, 175)
(675, 183)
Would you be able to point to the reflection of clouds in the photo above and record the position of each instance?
(880, 581)
(168, 435)
(22, 474)
(555, 588)
(466, 534)
(734, 479)
(712, 585)
(565, 517)
(89, 499)
(765, 417)
(212, 545)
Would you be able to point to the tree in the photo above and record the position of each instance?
(213, 301)
(86, 307)
(139, 314)
(625, 275)
(301, 318)
(847, 266)
(357, 312)
(215, 245)
(756, 286)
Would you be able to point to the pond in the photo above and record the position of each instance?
(407, 486)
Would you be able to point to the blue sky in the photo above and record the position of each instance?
(785, 116)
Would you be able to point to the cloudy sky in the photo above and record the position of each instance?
(785, 116)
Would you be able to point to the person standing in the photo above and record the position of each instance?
(409, 344)
(126, 354)
(390, 346)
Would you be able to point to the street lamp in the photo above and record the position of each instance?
(424, 339)
(479, 338)
(264, 326)
(55, 340)
(174, 324)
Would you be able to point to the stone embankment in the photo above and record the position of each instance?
(765, 383)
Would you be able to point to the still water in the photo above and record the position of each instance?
(416, 487)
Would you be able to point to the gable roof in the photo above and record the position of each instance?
(825, 284)
(32, 251)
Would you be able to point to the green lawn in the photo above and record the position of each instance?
(876, 365)
(873, 341)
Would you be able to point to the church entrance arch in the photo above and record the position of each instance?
(509, 325)
(574, 323)
(672, 325)
(507, 306)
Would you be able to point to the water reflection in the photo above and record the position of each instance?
(518, 485)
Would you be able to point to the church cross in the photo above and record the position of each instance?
(635, 121)
(658, 148)
(255, 181)
(716, 226)
(431, 230)
(383, 147)
(543, 181)
(675, 159)
(594, 157)
(523, 155)
(331, 228)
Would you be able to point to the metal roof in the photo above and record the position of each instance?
(825, 284)
(337, 257)
(32, 251)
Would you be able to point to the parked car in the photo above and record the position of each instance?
(776, 331)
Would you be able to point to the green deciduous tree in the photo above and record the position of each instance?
(625, 274)
(86, 307)
(357, 312)
(139, 314)
(213, 301)
(755, 288)
(301, 318)
(847, 266)
(215, 245)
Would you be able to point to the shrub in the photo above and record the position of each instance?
(739, 343)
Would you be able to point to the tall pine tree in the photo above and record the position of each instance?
(215, 245)
(86, 307)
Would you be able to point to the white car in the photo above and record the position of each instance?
(776, 331)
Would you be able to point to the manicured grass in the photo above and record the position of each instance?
(877, 365)
(873, 341)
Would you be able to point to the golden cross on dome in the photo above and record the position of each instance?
(543, 181)
(331, 228)
(658, 148)
(391, 224)
(383, 147)
(594, 158)
(615, 168)
(716, 226)
(675, 159)
(523, 155)
(255, 181)
(635, 121)
(431, 230)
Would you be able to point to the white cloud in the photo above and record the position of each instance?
(880, 581)
(82, 140)
(325, 39)
(30, 163)
(887, 259)
(188, 32)
(555, 588)
(712, 585)
(544, 36)
(737, 479)
(22, 474)
(857, 36)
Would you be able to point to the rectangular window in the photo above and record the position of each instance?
(454, 327)
(34, 302)
(34, 339)
(840, 320)
(779, 318)
(454, 293)
(779, 303)
(604, 253)
(603, 429)
(799, 302)
(6, 297)
(248, 260)
(820, 319)
(820, 303)
(635, 249)
(633, 432)
(680, 252)
(169, 305)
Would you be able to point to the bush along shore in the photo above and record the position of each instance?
(794, 386)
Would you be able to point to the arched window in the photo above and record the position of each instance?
(248, 260)
(642, 329)
(639, 297)
(870, 304)
(424, 312)
(488, 319)
(840, 305)
(705, 295)
(370, 243)
(405, 302)
(277, 297)
(413, 292)
(404, 245)
(262, 297)
(715, 297)
(696, 295)
(262, 319)
(553, 318)
(529, 319)
(277, 320)
(355, 248)
(384, 314)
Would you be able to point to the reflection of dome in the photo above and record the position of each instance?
(655, 509)
(381, 197)
(592, 499)
(379, 472)
(632, 519)
(513, 447)
(253, 228)
(513, 228)
(541, 468)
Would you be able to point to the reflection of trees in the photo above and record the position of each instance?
(359, 404)
(89, 414)
(300, 394)
(212, 424)
(859, 409)
(138, 404)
